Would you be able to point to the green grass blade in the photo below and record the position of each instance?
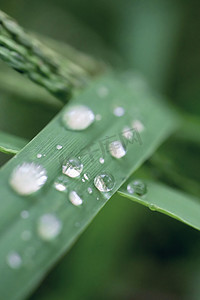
(11, 144)
(39, 256)
(171, 202)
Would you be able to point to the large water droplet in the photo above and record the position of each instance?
(104, 182)
(118, 111)
(60, 184)
(137, 187)
(72, 167)
(75, 199)
(78, 117)
(116, 149)
(136, 124)
(49, 227)
(14, 260)
(28, 178)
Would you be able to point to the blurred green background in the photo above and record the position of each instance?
(128, 252)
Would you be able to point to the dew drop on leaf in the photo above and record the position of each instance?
(89, 190)
(60, 184)
(104, 182)
(116, 149)
(24, 214)
(137, 125)
(75, 199)
(49, 227)
(14, 260)
(137, 187)
(118, 111)
(59, 147)
(101, 160)
(78, 117)
(28, 178)
(72, 167)
(127, 132)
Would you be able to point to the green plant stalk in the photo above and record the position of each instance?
(59, 75)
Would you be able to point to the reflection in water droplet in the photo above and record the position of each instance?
(101, 160)
(137, 187)
(28, 178)
(136, 124)
(127, 132)
(90, 190)
(118, 111)
(59, 147)
(116, 149)
(102, 91)
(14, 260)
(60, 184)
(75, 199)
(104, 182)
(26, 235)
(72, 167)
(49, 227)
(24, 214)
(78, 117)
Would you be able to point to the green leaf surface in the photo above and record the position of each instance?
(171, 202)
(102, 97)
(11, 144)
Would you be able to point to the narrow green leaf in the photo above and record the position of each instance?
(11, 144)
(171, 202)
(103, 96)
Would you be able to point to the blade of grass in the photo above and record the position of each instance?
(11, 144)
(171, 202)
(38, 256)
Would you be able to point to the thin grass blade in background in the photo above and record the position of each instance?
(11, 144)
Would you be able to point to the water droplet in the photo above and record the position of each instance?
(75, 199)
(98, 117)
(127, 132)
(59, 147)
(90, 190)
(26, 235)
(24, 214)
(78, 117)
(104, 182)
(14, 260)
(49, 227)
(39, 155)
(116, 149)
(137, 187)
(136, 124)
(72, 167)
(152, 207)
(28, 178)
(119, 111)
(83, 180)
(60, 184)
(101, 160)
(102, 91)
(86, 176)
(97, 198)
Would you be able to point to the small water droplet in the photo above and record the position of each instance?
(49, 227)
(137, 187)
(75, 199)
(98, 117)
(102, 91)
(28, 178)
(116, 149)
(104, 182)
(97, 198)
(72, 167)
(136, 124)
(90, 190)
(83, 180)
(14, 260)
(101, 160)
(78, 117)
(39, 155)
(26, 235)
(59, 147)
(118, 111)
(127, 132)
(86, 176)
(24, 214)
(152, 207)
(60, 184)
